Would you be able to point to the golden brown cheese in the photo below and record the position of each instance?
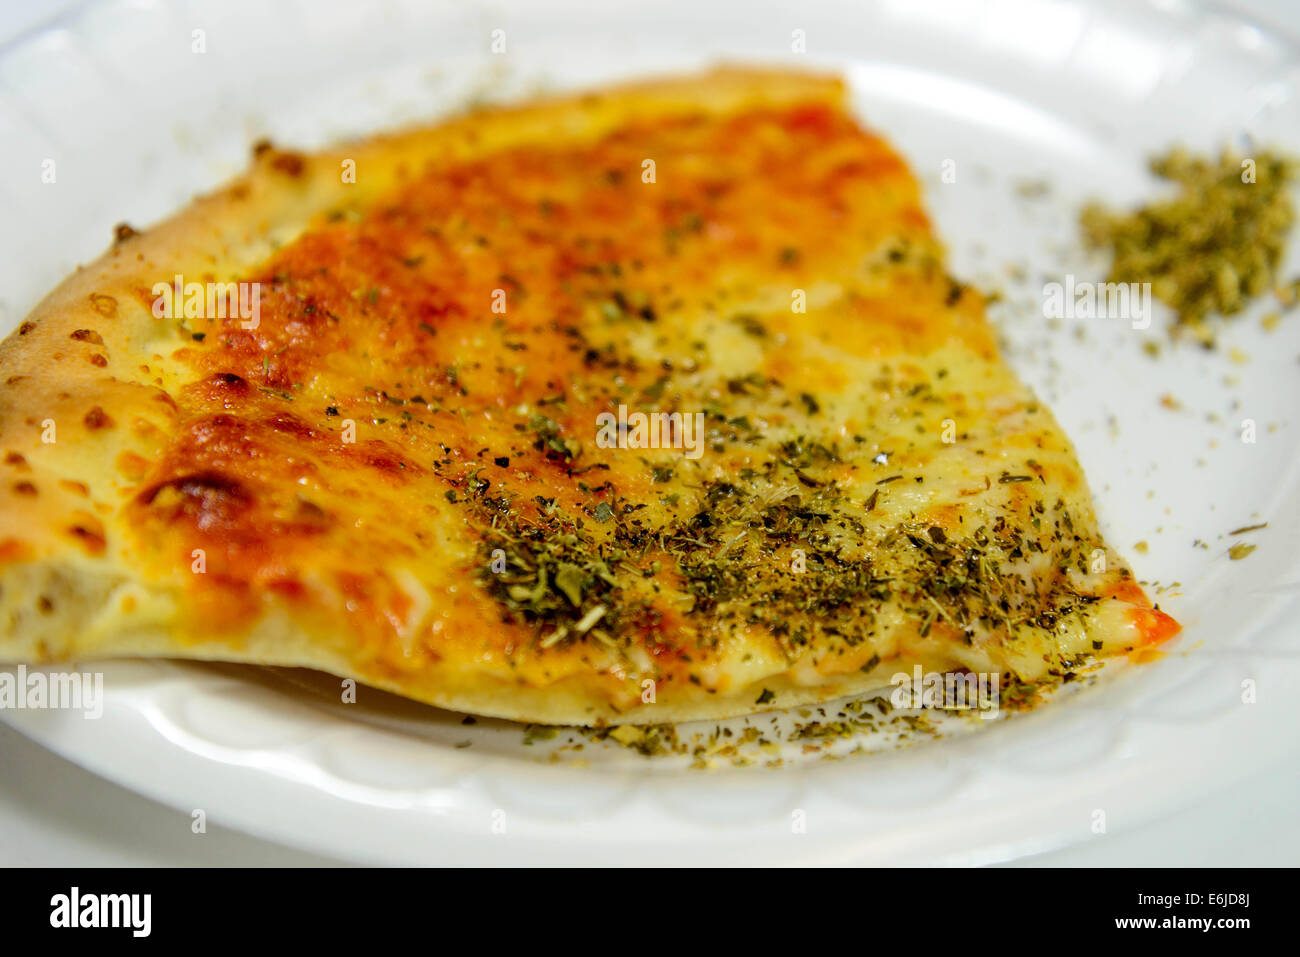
(399, 472)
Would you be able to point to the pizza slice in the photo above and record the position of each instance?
(645, 405)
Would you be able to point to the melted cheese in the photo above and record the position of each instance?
(401, 460)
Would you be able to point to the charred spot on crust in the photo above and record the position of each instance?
(291, 164)
(207, 498)
(87, 335)
(16, 459)
(97, 418)
(123, 232)
(25, 488)
(285, 161)
(91, 539)
(197, 484)
(25, 328)
(310, 510)
(310, 519)
(229, 382)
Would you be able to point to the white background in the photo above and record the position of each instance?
(54, 813)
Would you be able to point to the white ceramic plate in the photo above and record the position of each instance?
(1077, 95)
